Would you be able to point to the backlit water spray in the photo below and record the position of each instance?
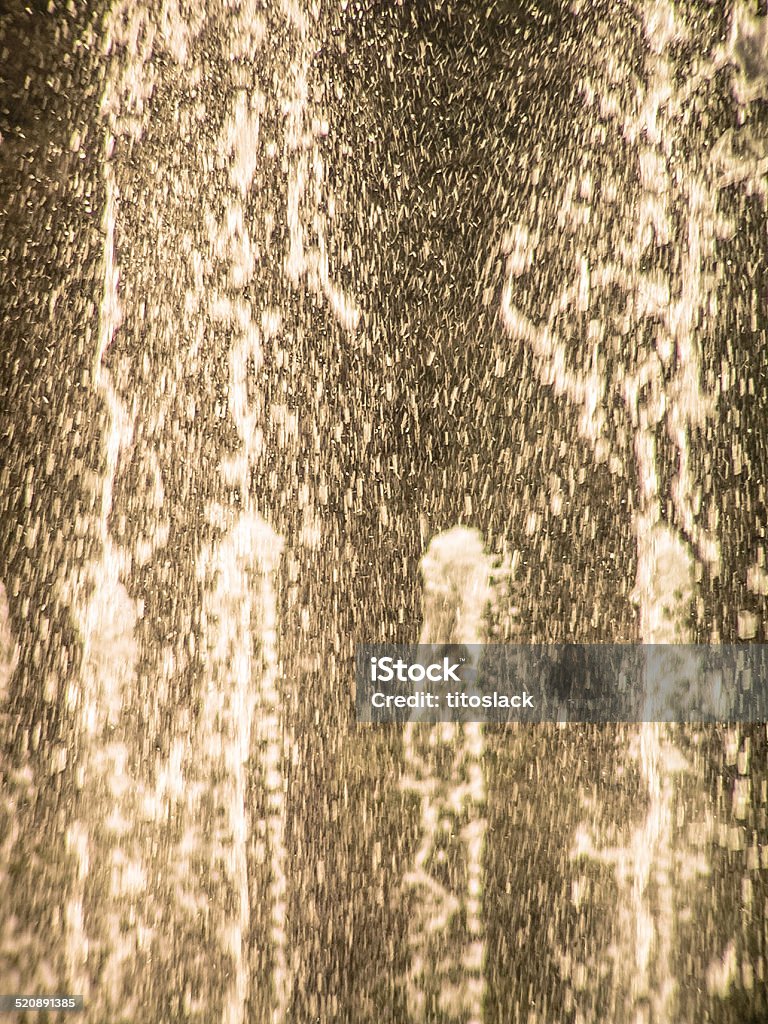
(213, 797)
(234, 731)
(155, 858)
(662, 325)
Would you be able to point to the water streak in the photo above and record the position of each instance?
(10, 941)
(443, 769)
(306, 187)
(106, 617)
(241, 689)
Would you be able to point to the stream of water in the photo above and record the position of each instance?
(326, 323)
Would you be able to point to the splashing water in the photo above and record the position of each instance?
(660, 384)
(203, 782)
(218, 222)
(235, 739)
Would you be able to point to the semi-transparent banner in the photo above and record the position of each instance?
(561, 683)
